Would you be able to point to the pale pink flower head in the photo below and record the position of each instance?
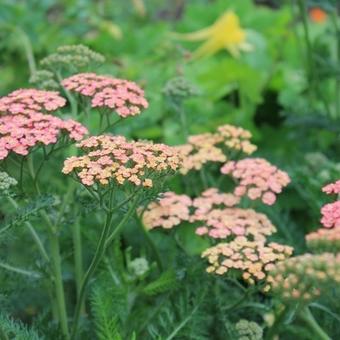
(257, 179)
(250, 259)
(324, 240)
(331, 215)
(168, 211)
(332, 188)
(124, 97)
(31, 101)
(19, 133)
(113, 158)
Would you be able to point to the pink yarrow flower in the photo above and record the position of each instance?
(124, 97)
(332, 188)
(331, 215)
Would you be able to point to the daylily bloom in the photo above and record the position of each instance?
(225, 33)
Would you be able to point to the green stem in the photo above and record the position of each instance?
(92, 268)
(58, 282)
(78, 258)
(20, 271)
(26, 43)
(309, 319)
(278, 321)
(35, 236)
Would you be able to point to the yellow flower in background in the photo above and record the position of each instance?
(225, 33)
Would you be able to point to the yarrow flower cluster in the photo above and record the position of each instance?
(19, 133)
(248, 330)
(31, 101)
(125, 97)
(72, 57)
(254, 259)
(6, 182)
(222, 223)
(324, 240)
(169, 211)
(331, 215)
(305, 277)
(26, 124)
(332, 188)
(210, 147)
(179, 89)
(44, 79)
(114, 158)
(258, 179)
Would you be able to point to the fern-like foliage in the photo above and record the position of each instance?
(166, 282)
(105, 318)
(23, 214)
(11, 329)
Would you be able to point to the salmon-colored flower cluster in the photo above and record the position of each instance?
(31, 101)
(125, 97)
(258, 179)
(332, 188)
(19, 133)
(222, 223)
(211, 147)
(331, 215)
(114, 158)
(253, 259)
(324, 240)
(305, 277)
(169, 211)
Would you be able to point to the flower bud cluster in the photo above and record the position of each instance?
(44, 79)
(252, 258)
(125, 97)
(72, 57)
(305, 277)
(332, 188)
(258, 179)
(248, 330)
(114, 158)
(179, 88)
(6, 182)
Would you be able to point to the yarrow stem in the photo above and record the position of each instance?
(309, 319)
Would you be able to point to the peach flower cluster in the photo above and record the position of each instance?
(331, 215)
(332, 188)
(169, 211)
(253, 259)
(114, 158)
(211, 147)
(31, 101)
(222, 223)
(257, 179)
(305, 277)
(125, 97)
(324, 240)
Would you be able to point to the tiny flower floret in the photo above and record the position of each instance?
(113, 157)
(31, 101)
(19, 133)
(258, 179)
(125, 97)
(252, 259)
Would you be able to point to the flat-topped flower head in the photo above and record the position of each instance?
(248, 330)
(31, 101)
(214, 147)
(257, 179)
(331, 215)
(304, 278)
(19, 133)
(233, 222)
(324, 240)
(251, 259)
(124, 97)
(114, 158)
(168, 211)
(332, 188)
